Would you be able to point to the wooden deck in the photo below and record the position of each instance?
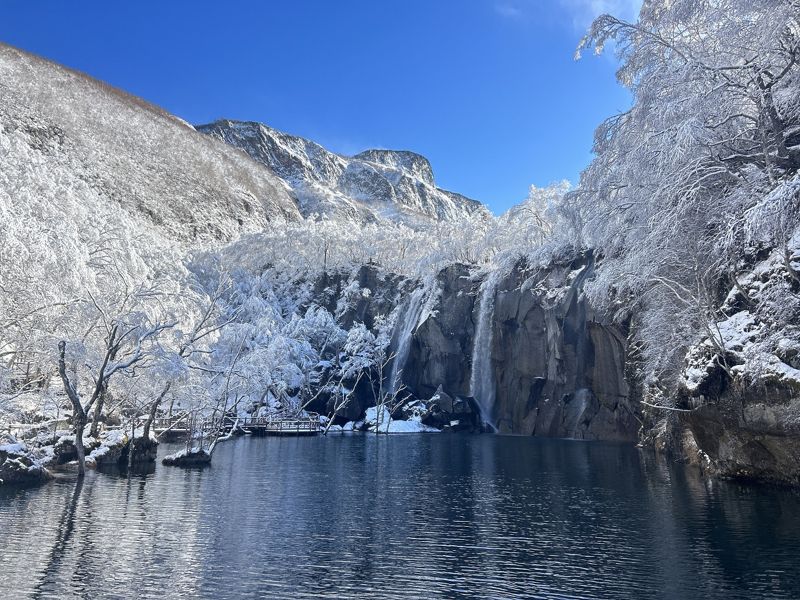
(281, 426)
(271, 425)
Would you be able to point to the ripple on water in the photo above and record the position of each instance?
(403, 516)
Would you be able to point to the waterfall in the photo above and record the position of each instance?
(481, 383)
(407, 322)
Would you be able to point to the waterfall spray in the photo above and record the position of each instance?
(481, 383)
(408, 321)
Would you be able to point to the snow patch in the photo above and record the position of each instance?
(379, 420)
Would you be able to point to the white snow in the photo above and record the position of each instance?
(16, 448)
(379, 420)
(781, 370)
(411, 426)
(375, 184)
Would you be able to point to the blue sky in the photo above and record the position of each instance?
(487, 89)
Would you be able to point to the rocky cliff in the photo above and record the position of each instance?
(372, 185)
(738, 403)
(554, 368)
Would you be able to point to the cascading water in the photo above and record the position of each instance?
(481, 383)
(408, 322)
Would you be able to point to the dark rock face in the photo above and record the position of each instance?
(558, 369)
(382, 292)
(452, 414)
(64, 450)
(144, 451)
(364, 395)
(442, 344)
(194, 458)
(750, 445)
(738, 397)
(750, 434)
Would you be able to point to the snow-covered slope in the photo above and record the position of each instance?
(126, 154)
(374, 184)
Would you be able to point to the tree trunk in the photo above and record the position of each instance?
(154, 410)
(78, 414)
(777, 125)
(80, 424)
(98, 410)
(131, 447)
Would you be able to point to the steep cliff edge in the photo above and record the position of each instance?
(559, 368)
(554, 368)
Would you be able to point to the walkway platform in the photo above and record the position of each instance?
(270, 425)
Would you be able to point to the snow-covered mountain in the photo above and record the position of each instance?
(65, 136)
(375, 184)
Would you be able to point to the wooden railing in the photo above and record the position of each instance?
(280, 424)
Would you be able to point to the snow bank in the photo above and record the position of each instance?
(398, 426)
(758, 338)
(16, 448)
(380, 421)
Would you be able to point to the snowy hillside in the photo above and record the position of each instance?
(123, 152)
(375, 184)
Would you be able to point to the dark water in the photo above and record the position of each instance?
(403, 516)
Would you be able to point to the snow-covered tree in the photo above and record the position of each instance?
(680, 193)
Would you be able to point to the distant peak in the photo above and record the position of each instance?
(374, 184)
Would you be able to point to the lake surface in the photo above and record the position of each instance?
(403, 516)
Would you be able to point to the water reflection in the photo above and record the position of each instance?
(65, 528)
(403, 516)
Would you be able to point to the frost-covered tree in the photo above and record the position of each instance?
(679, 197)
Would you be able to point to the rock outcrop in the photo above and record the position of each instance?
(18, 466)
(188, 458)
(738, 402)
(452, 414)
(557, 368)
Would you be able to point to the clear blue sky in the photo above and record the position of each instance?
(487, 89)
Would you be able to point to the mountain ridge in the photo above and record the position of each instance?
(130, 154)
(368, 186)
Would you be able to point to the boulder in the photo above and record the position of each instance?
(17, 467)
(114, 448)
(64, 449)
(448, 413)
(144, 451)
(188, 458)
